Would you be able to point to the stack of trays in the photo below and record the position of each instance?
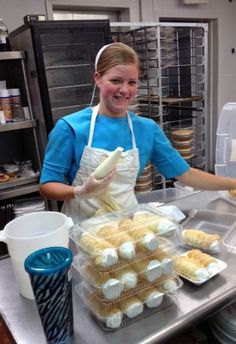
(126, 264)
(182, 140)
(144, 182)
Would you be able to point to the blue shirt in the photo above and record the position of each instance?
(70, 135)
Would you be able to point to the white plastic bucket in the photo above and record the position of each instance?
(29, 233)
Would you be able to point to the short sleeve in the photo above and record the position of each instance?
(166, 158)
(59, 154)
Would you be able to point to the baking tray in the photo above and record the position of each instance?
(19, 182)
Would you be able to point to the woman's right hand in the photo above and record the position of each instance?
(94, 187)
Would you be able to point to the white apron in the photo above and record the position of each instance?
(122, 185)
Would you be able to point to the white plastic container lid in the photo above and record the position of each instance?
(226, 142)
(14, 91)
(4, 93)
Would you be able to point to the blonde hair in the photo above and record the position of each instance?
(115, 54)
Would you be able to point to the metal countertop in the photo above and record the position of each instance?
(194, 303)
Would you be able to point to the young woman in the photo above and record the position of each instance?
(80, 141)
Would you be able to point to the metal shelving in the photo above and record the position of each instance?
(173, 81)
(18, 140)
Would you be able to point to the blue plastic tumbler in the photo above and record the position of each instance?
(49, 271)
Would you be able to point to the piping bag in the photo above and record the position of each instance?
(108, 202)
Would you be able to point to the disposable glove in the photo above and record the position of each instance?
(93, 187)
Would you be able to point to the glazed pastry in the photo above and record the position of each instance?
(191, 269)
(127, 277)
(111, 315)
(156, 223)
(131, 306)
(204, 259)
(201, 239)
(110, 287)
(149, 269)
(119, 239)
(103, 253)
(151, 297)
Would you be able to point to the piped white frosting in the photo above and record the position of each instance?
(129, 280)
(112, 289)
(109, 257)
(154, 299)
(150, 241)
(114, 320)
(201, 274)
(134, 309)
(213, 268)
(153, 270)
(127, 250)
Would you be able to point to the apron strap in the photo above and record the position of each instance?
(93, 121)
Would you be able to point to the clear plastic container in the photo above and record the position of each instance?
(126, 278)
(123, 235)
(209, 222)
(113, 315)
(164, 195)
(226, 142)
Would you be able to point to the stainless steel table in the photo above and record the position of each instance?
(193, 304)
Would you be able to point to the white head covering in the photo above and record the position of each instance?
(95, 64)
(99, 54)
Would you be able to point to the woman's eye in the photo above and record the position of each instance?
(115, 81)
(133, 83)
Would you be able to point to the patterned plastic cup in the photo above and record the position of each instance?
(49, 271)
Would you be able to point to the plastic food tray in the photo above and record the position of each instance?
(109, 239)
(111, 316)
(221, 266)
(210, 222)
(125, 278)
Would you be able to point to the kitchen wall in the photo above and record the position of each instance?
(219, 13)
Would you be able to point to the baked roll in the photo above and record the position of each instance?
(110, 314)
(200, 239)
(190, 268)
(131, 306)
(110, 287)
(156, 223)
(204, 259)
(151, 297)
(149, 269)
(102, 252)
(120, 240)
(169, 285)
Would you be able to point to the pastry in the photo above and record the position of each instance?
(103, 253)
(120, 239)
(111, 315)
(232, 193)
(190, 269)
(205, 260)
(144, 238)
(149, 269)
(156, 223)
(131, 306)
(200, 239)
(110, 287)
(168, 285)
(151, 297)
(166, 262)
(127, 277)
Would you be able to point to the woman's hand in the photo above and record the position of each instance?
(93, 187)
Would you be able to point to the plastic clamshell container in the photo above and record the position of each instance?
(126, 278)
(210, 222)
(124, 235)
(114, 315)
(226, 142)
(164, 195)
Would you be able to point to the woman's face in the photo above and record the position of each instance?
(118, 87)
